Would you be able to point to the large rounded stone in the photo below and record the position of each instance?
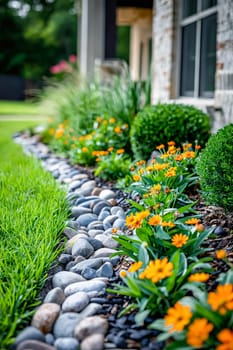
(29, 333)
(55, 295)
(34, 345)
(82, 247)
(75, 302)
(63, 278)
(86, 219)
(65, 325)
(107, 194)
(93, 342)
(94, 285)
(45, 317)
(66, 344)
(89, 326)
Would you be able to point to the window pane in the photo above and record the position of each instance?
(189, 7)
(208, 56)
(208, 3)
(188, 60)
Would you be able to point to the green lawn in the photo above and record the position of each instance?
(19, 108)
(32, 215)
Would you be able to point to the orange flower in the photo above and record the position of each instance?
(199, 227)
(189, 154)
(160, 146)
(226, 338)
(136, 266)
(168, 224)
(120, 151)
(155, 189)
(193, 221)
(178, 317)
(199, 277)
(99, 119)
(178, 240)
(171, 143)
(114, 230)
(117, 130)
(59, 133)
(112, 120)
(171, 150)
(163, 166)
(123, 273)
(197, 147)
(110, 149)
(157, 270)
(84, 149)
(136, 177)
(198, 332)
(178, 157)
(155, 220)
(221, 254)
(135, 221)
(51, 131)
(171, 172)
(222, 299)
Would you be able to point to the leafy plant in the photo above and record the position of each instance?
(203, 321)
(214, 167)
(161, 123)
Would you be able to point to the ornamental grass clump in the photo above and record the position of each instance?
(214, 167)
(161, 123)
(201, 321)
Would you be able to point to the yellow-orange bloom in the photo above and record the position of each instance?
(136, 266)
(155, 189)
(84, 149)
(168, 224)
(120, 151)
(136, 177)
(114, 230)
(51, 131)
(123, 273)
(117, 130)
(193, 221)
(99, 119)
(221, 254)
(163, 166)
(135, 221)
(198, 332)
(171, 143)
(199, 277)
(112, 120)
(59, 133)
(110, 149)
(178, 240)
(226, 338)
(160, 146)
(178, 317)
(171, 172)
(157, 270)
(155, 220)
(178, 157)
(222, 299)
(189, 154)
(199, 227)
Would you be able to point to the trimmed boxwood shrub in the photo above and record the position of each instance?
(161, 123)
(214, 167)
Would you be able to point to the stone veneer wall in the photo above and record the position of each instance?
(165, 71)
(162, 56)
(224, 69)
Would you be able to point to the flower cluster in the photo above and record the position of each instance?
(62, 68)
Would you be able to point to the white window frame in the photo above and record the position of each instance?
(196, 18)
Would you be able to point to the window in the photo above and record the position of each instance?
(198, 49)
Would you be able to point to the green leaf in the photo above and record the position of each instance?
(141, 316)
(161, 234)
(143, 255)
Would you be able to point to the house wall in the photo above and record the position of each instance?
(224, 69)
(166, 61)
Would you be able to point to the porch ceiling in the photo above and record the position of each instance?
(130, 15)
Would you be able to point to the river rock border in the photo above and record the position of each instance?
(72, 314)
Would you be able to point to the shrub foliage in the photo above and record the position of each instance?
(214, 168)
(164, 122)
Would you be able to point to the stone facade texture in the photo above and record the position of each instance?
(166, 60)
(224, 68)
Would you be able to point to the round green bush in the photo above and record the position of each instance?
(161, 123)
(214, 167)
